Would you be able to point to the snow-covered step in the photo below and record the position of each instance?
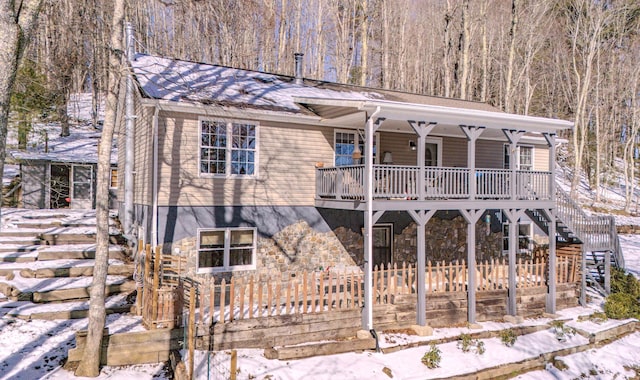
(11, 248)
(22, 232)
(77, 251)
(17, 256)
(68, 310)
(63, 268)
(9, 242)
(75, 235)
(59, 289)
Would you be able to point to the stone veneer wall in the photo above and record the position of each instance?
(299, 247)
(296, 248)
(446, 240)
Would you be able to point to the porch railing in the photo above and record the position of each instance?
(440, 183)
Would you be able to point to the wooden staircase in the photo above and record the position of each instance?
(47, 260)
(597, 235)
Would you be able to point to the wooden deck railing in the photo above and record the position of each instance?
(323, 292)
(441, 183)
(597, 233)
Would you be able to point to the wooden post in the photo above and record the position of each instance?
(553, 278)
(140, 273)
(191, 328)
(156, 285)
(234, 365)
(607, 272)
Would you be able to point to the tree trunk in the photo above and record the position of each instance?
(90, 364)
(466, 41)
(508, 102)
(447, 51)
(365, 44)
(17, 20)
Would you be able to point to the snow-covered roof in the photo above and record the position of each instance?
(191, 82)
(80, 147)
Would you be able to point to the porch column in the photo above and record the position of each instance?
(367, 313)
(551, 142)
(472, 134)
(513, 215)
(472, 217)
(513, 136)
(422, 129)
(421, 218)
(551, 280)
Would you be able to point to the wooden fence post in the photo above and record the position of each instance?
(156, 285)
(234, 365)
(140, 279)
(191, 328)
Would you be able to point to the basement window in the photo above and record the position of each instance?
(226, 249)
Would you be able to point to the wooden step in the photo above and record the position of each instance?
(79, 251)
(81, 293)
(68, 310)
(19, 241)
(19, 257)
(76, 271)
(21, 232)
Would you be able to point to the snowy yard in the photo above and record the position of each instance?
(35, 349)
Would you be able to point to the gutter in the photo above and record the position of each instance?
(154, 174)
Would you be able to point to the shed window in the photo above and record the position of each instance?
(226, 249)
(114, 178)
(228, 148)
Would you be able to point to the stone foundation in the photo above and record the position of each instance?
(299, 247)
(296, 248)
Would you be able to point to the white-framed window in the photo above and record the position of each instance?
(524, 156)
(525, 237)
(228, 148)
(345, 142)
(226, 249)
(433, 151)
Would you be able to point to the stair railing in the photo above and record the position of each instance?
(597, 233)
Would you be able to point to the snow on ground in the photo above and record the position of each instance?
(32, 349)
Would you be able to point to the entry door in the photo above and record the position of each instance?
(382, 245)
(82, 186)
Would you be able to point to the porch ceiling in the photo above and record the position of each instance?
(352, 113)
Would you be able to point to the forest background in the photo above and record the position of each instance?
(570, 59)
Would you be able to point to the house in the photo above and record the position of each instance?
(247, 173)
(60, 172)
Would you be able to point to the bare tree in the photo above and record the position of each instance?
(17, 22)
(90, 363)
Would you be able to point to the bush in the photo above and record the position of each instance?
(466, 344)
(432, 357)
(622, 282)
(622, 306)
(508, 337)
(562, 332)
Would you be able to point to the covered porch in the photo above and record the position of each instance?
(421, 190)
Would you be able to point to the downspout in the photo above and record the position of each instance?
(154, 190)
(367, 317)
(129, 139)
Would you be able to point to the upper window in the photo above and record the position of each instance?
(345, 143)
(226, 249)
(524, 156)
(227, 148)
